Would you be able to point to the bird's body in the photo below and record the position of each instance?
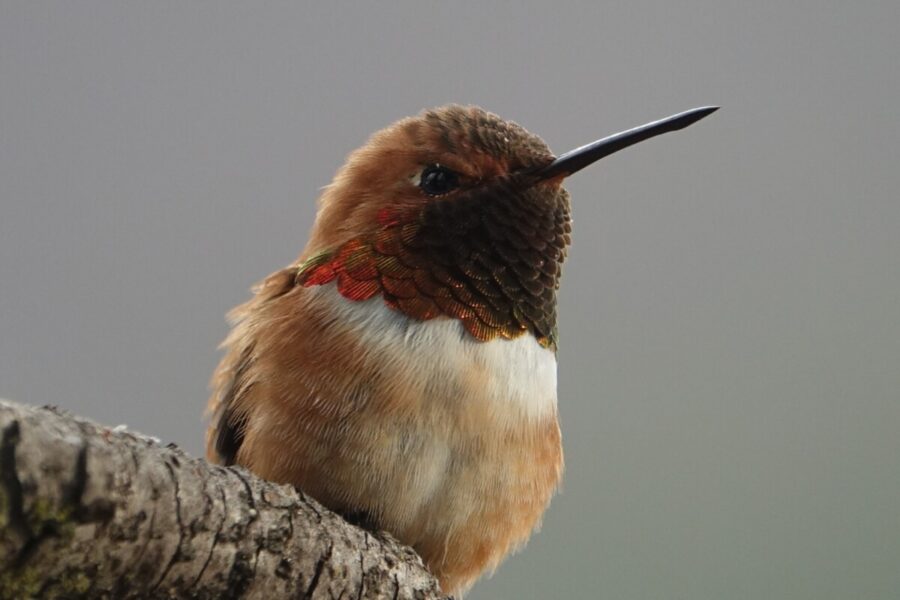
(449, 443)
(404, 368)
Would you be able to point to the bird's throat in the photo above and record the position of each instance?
(491, 260)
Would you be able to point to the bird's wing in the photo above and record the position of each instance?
(233, 377)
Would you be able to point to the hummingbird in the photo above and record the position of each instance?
(403, 370)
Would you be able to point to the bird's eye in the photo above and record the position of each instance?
(437, 180)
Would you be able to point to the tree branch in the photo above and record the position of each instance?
(87, 511)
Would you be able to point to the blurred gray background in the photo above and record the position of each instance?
(730, 313)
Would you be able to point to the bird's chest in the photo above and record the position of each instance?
(435, 369)
(445, 420)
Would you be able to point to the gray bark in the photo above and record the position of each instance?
(87, 511)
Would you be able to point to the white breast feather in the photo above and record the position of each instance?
(521, 374)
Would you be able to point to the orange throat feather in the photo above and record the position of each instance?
(491, 261)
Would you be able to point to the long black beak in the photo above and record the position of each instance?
(577, 159)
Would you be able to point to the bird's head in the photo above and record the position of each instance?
(442, 155)
(457, 212)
